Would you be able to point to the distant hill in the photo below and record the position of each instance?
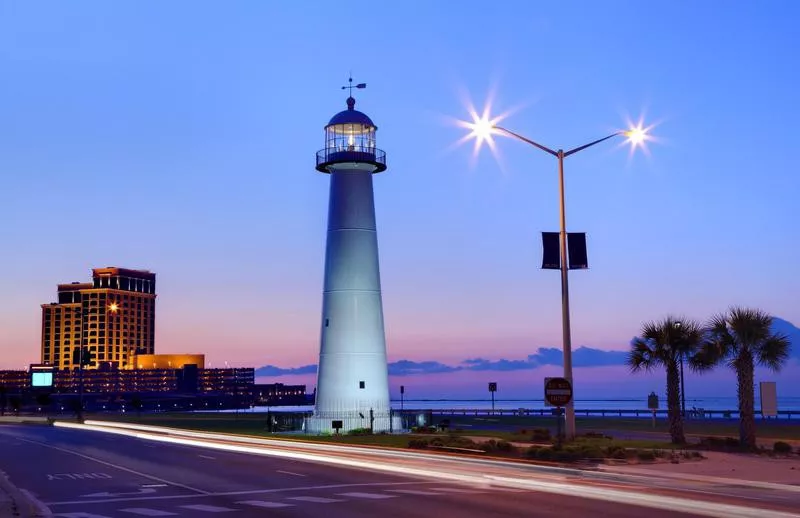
(780, 325)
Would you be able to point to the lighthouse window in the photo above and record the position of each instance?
(362, 385)
(326, 322)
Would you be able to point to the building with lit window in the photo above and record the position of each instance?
(113, 317)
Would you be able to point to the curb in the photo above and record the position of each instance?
(22, 504)
(704, 478)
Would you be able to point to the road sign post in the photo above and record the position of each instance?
(652, 404)
(557, 393)
(492, 390)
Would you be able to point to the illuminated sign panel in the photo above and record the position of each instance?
(41, 376)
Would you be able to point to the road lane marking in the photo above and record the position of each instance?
(290, 473)
(154, 485)
(315, 499)
(243, 493)
(78, 476)
(414, 492)
(207, 457)
(265, 504)
(81, 515)
(115, 466)
(109, 494)
(368, 496)
(144, 511)
(207, 508)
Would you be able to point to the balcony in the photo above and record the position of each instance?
(330, 156)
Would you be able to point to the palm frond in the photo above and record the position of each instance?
(705, 358)
(773, 352)
(642, 357)
(750, 326)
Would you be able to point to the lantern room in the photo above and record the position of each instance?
(350, 139)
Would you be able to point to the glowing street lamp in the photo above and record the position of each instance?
(483, 128)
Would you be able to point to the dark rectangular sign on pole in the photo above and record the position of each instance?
(550, 251)
(576, 249)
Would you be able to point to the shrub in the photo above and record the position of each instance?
(720, 443)
(360, 431)
(566, 455)
(541, 435)
(646, 455)
(596, 435)
(419, 444)
(782, 447)
(505, 446)
(590, 452)
(533, 452)
(616, 452)
(496, 446)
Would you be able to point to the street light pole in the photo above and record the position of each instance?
(566, 329)
(565, 320)
(683, 392)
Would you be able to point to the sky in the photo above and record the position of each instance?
(180, 137)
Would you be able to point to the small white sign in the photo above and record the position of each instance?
(769, 399)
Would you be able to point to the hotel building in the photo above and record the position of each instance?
(113, 316)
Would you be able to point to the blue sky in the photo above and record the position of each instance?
(180, 137)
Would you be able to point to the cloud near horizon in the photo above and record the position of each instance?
(581, 357)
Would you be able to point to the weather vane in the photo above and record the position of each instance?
(351, 85)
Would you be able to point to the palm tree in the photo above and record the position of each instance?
(742, 338)
(663, 344)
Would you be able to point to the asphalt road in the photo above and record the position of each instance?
(85, 474)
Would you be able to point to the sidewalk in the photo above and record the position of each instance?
(16, 504)
(738, 466)
(766, 442)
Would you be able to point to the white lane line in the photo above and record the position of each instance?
(414, 492)
(207, 457)
(369, 496)
(265, 504)
(315, 499)
(207, 508)
(144, 511)
(81, 515)
(154, 485)
(290, 473)
(115, 466)
(376, 485)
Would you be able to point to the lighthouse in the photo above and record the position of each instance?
(352, 377)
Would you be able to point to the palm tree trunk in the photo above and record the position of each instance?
(674, 404)
(746, 390)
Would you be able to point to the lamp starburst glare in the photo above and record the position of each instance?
(638, 135)
(482, 130)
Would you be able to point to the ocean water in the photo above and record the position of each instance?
(711, 403)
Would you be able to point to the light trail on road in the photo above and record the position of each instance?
(473, 472)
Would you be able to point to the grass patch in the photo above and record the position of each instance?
(510, 426)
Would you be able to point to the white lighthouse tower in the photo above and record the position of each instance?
(352, 378)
